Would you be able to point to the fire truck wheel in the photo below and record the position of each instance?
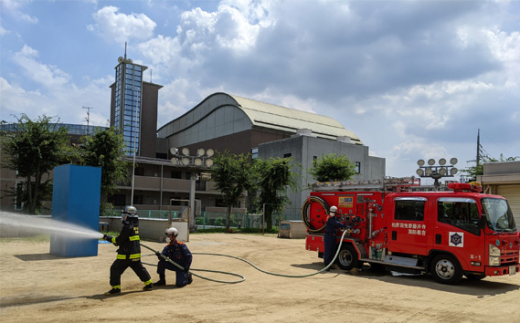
(347, 258)
(446, 269)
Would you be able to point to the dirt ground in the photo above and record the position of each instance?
(36, 286)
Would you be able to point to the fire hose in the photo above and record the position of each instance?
(305, 208)
(244, 260)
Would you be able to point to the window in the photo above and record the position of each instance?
(358, 167)
(459, 212)
(176, 174)
(200, 185)
(138, 199)
(254, 153)
(410, 208)
(139, 171)
(288, 155)
(118, 200)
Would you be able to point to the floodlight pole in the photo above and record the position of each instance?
(191, 221)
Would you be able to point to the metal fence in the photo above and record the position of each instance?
(210, 220)
(146, 214)
(237, 220)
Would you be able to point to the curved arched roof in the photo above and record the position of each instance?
(261, 115)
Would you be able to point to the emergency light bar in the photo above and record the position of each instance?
(460, 187)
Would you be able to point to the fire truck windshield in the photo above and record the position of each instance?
(499, 215)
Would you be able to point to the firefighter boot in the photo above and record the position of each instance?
(114, 291)
(148, 285)
(161, 281)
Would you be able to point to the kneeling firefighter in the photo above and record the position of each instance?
(129, 252)
(179, 253)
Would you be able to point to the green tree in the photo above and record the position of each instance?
(275, 177)
(105, 149)
(33, 149)
(331, 167)
(233, 175)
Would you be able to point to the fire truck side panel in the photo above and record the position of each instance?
(411, 220)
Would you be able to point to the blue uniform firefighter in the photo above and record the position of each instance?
(179, 253)
(331, 227)
(129, 252)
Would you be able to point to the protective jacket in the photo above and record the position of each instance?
(331, 227)
(179, 253)
(128, 241)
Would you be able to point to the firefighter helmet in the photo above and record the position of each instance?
(130, 211)
(172, 231)
(333, 209)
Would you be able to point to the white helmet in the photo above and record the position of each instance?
(333, 209)
(171, 231)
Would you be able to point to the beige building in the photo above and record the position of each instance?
(503, 179)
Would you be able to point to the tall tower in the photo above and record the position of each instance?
(133, 108)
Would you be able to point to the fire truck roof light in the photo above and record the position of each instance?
(459, 187)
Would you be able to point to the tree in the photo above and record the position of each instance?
(33, 150)
(275, 177)
(105, 149)
(331, 167)
(233, 175)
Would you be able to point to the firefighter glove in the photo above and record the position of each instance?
(158, 254)
(186, 269)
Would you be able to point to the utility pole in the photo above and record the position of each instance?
(478, 148)
(88, 119)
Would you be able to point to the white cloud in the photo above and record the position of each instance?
(45, 75)
(118, 27)
(13, 8)
(57, 94)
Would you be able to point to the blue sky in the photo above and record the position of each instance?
(413, 79)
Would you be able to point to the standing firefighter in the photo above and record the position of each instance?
(331, 227)
(129, 252)
(179, 253)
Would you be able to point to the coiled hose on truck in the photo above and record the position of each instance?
(243, 278)
(306, 214)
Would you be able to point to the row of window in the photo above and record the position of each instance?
(462, 214)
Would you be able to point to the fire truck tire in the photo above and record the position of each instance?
(446, 269)
(347, 258)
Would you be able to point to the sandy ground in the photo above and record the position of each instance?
(38, 287)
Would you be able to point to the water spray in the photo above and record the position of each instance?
(38, 225)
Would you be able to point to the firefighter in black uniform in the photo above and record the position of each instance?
(179, 253)
(129, 252)
(331, 227)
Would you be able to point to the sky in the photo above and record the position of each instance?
(412, 79)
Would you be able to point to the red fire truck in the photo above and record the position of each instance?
(447, 233)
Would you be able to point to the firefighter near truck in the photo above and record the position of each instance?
(446, 233)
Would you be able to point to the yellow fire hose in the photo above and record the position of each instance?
(241, 259)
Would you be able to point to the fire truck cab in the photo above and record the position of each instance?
(449, 234)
